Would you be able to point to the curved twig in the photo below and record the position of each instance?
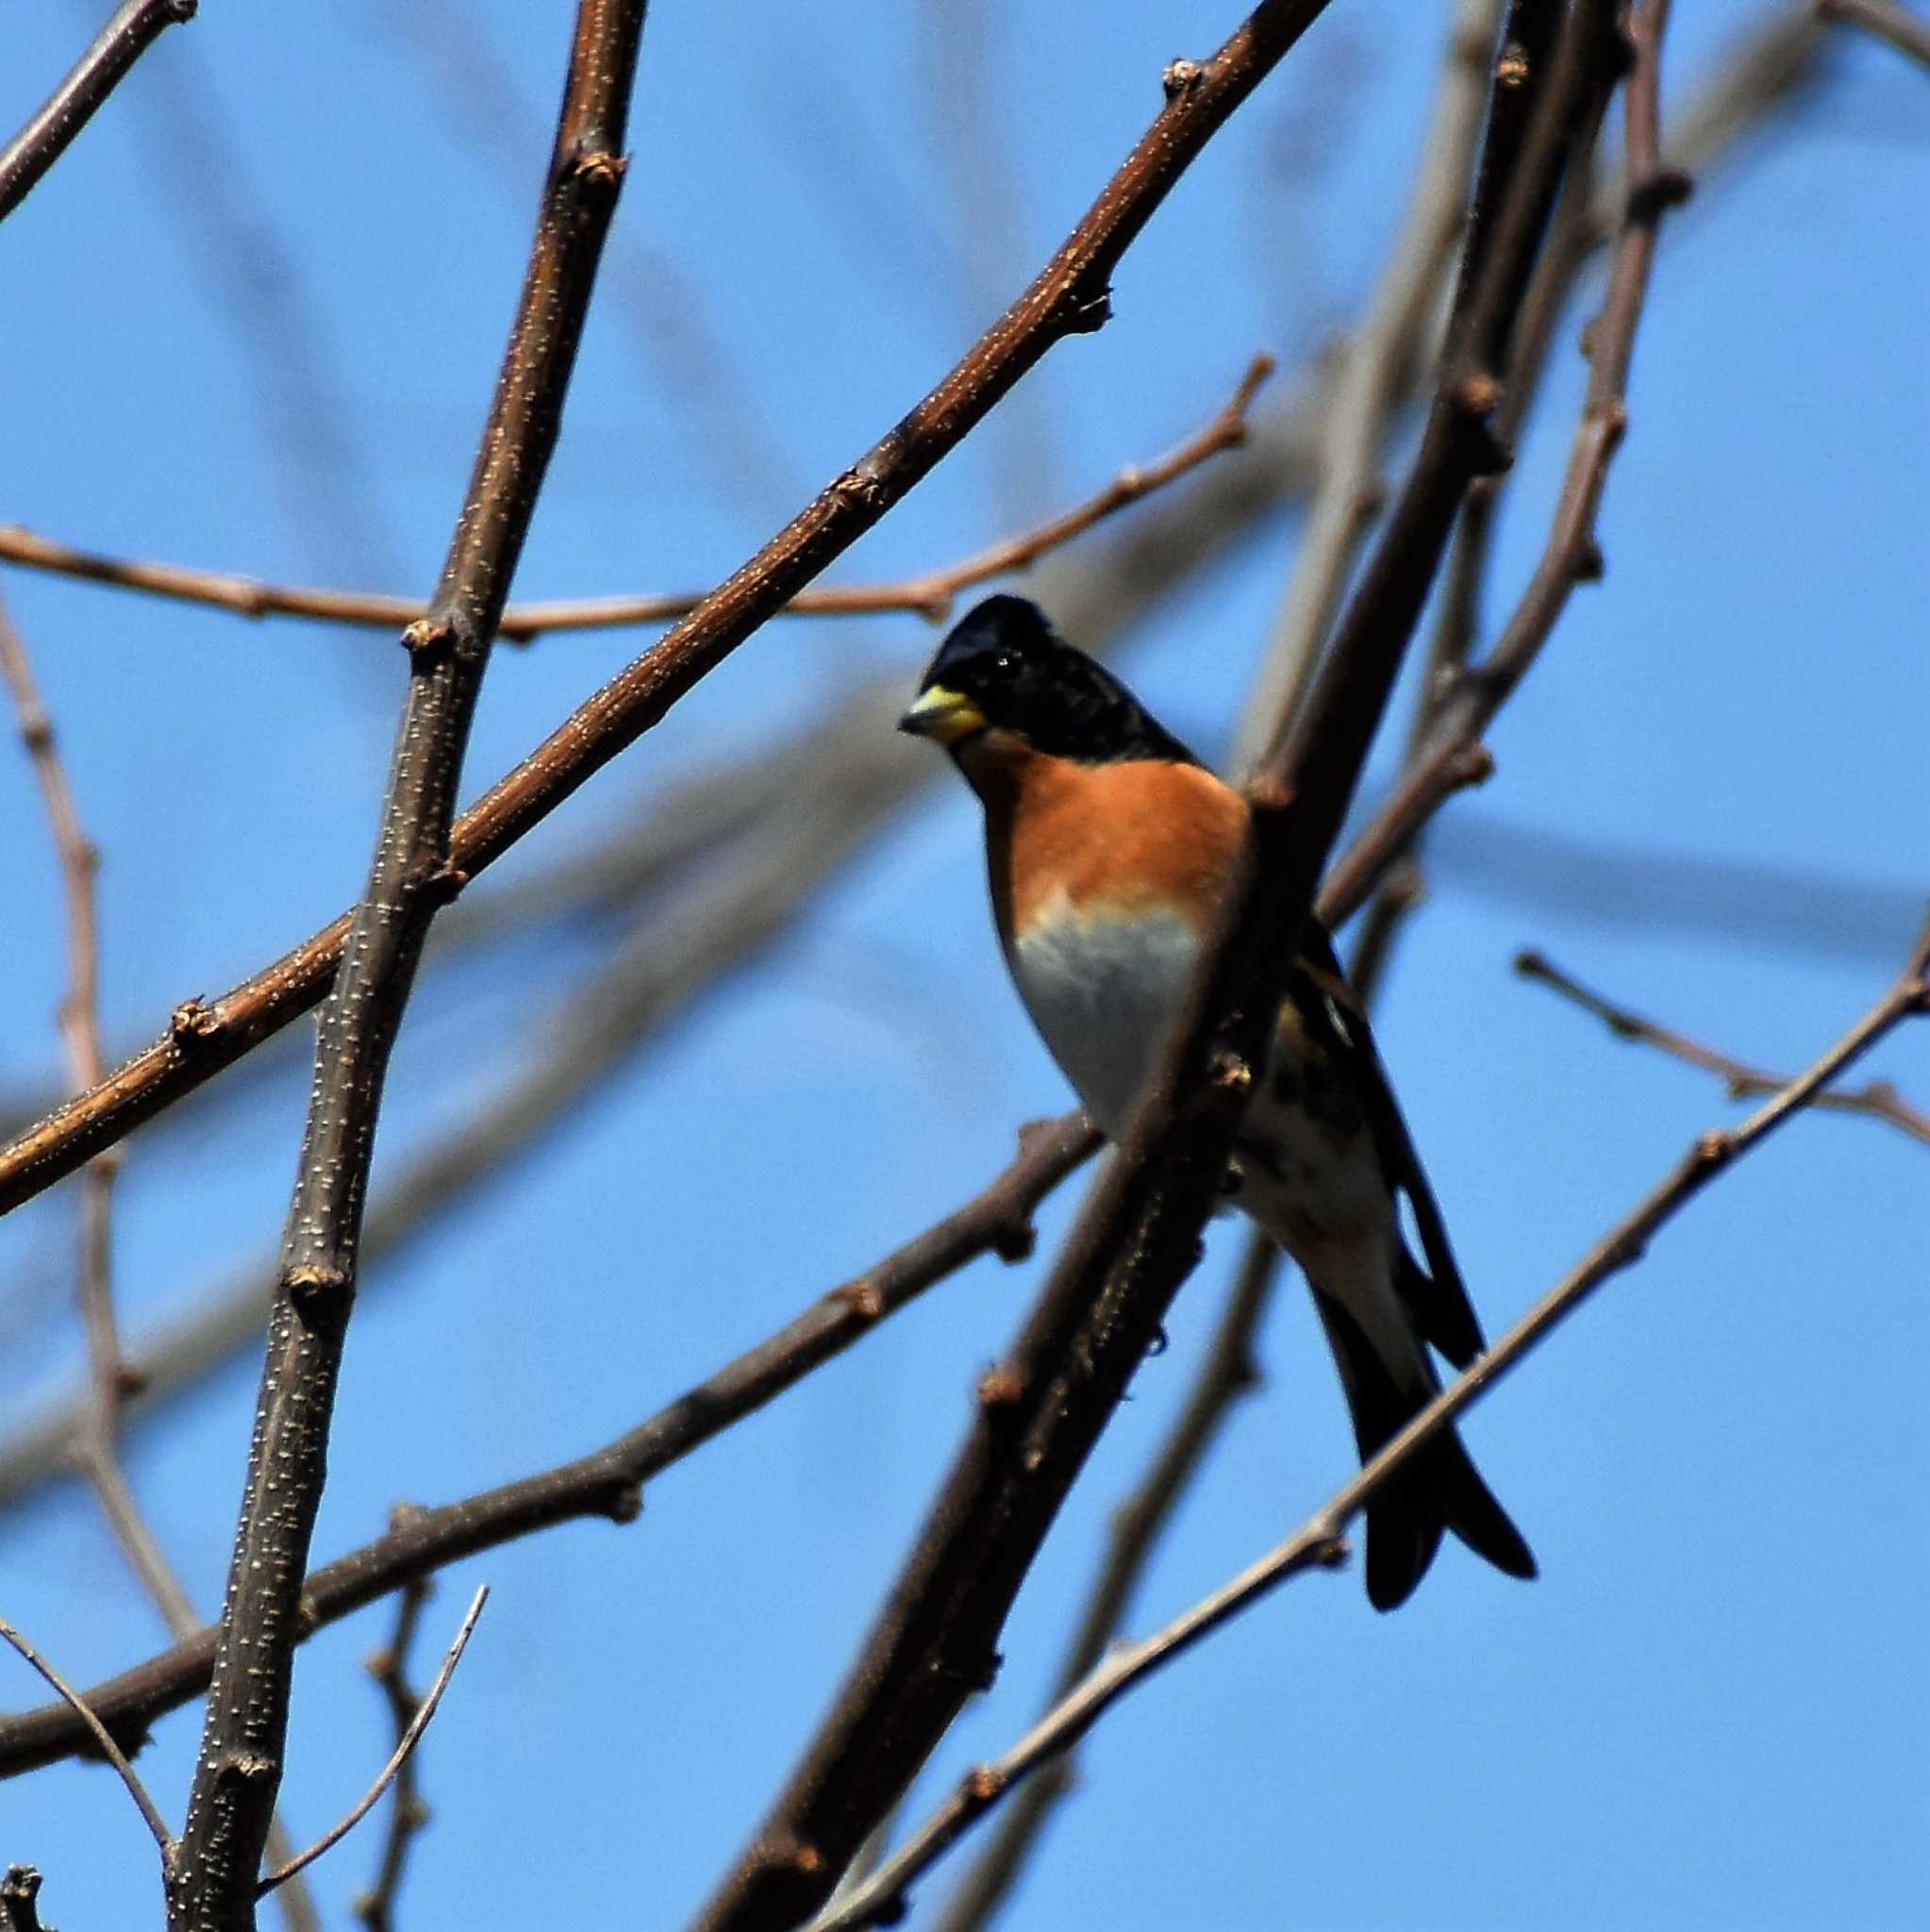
(1879, 1100)
(410, 1738)
(101, 1736)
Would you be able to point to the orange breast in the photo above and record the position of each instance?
(1134, 833)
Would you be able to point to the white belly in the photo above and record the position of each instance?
(1102, 990)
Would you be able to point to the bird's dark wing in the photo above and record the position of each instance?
(1336, 1023)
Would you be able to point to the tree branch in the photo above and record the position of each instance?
(205, 1036)
(410, 1738)
(1878, 1099)
(930, 595)
(110, 1378)
(1227, 1374)
(99, 1732)
(212, 1887)
(134, 26)
(1318, 1541)
(1887, 20)
(1375, 363)
(1570, 554)
(607, 1482)
(376, 1908)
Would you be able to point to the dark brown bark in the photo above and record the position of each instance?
(212, 1883)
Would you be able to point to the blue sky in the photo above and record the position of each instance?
(1709, 1710)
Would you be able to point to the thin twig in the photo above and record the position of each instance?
(205, 1036)
(134, 28)
(609, 1481)
(1907, 32)
(97, 1731)
(1879, 1099)
(1318, 1543)
(410, 1738)
(930, 594)
(376, 1908)
(79, 1017)
(239, 1766)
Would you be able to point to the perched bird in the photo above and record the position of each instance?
(1109, 846)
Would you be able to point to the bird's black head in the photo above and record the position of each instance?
(1004, 668)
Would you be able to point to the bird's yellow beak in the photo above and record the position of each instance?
(942, 713)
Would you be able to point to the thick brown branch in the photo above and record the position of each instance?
(212, 1885)
(1227, 1374)
(1376, 361)
(1229, 1371)
(1318, 1543)
(1570, 554)
(134, 28)
(1878, 1099)
(607, 1482)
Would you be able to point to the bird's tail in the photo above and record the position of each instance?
(1441, 1489)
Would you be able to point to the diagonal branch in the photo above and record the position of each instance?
(134, 26)
(1226, 1374)
(98, 1733)
(1878, 1099)
(1570, 554)
(1318, 1543)
(607, 1482)
(239, 1772)
(1374, 364)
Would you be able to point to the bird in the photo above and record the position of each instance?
(1109, 847)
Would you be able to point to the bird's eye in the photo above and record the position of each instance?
(1004, 663)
